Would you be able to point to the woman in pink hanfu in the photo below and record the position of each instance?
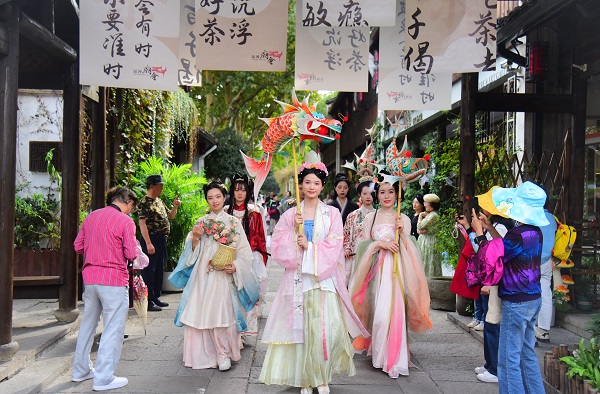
(311, 316)
(389, 297)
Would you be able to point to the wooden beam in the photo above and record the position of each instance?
(469, 86)
(576, 182)
(9, 77)
(530, 17)
(3, 40)
(71, 170)
(42, 37)
(98, 150)
(515, 102)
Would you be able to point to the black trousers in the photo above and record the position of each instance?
(153, 273)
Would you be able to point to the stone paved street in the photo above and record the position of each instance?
(443, 361)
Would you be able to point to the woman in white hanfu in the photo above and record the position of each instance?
(214, 302)
(311, 316)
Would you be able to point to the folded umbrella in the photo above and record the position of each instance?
(140, 299)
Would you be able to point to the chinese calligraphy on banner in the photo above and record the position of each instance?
(188, 74)
(402, 89)
(450, 36)
(348, 13)
(129, 44)
(245, 35)
(331, 58)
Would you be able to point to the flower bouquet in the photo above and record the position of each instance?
(227, 237)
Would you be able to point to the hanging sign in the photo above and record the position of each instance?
(129, 44)
(450, 36)
(392, 39)
(347, 13)
(400, 89)
(331, 58)
(248, 35)
(188, 74)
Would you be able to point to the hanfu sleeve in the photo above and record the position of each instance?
(349, 235)
(284, 246)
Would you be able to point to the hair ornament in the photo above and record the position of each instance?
(317, 166)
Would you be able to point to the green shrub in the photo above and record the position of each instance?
(585, 362)
(179, 181)
(37, 222)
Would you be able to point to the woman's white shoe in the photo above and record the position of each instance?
(323, 389)
(306, 390)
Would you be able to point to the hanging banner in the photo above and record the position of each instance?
(400, 89)
(347, 13)
(129, 44)
(392, 39)
(239, 35)
(188, 74)
(331, 58)
(450, 36)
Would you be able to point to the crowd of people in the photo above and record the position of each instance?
(355, 278)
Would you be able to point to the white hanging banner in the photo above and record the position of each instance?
(331, 58)
(129, 44)
(450, 36)
(392, 40)
(400, 89)
(188, 74)
(347, 13)
(248, 35)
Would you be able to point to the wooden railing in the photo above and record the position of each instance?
(555, 373)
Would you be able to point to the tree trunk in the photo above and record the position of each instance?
(209, 77)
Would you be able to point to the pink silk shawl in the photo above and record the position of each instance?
(285, 324)
(414, 280)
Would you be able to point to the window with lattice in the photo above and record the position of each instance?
(37, 155)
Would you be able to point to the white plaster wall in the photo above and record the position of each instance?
(39, 118)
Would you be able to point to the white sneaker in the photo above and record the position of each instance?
(225, 365)
(473, 323)
(487, 377)
(90, 375)
(479, 370)
(479, 327)
(116, 383)
(306, 390)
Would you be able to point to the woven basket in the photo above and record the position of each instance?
(224, 255)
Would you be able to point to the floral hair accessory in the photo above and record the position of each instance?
(317, 166)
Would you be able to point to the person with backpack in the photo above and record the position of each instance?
(542, 331)
(519, 287)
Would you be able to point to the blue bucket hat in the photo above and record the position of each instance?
(524, 203)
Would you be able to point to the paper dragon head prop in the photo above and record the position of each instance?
(298, 120)
(402, 166)
(364, 166)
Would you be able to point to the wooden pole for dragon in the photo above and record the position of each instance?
(300, 229)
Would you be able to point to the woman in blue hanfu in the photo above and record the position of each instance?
(311, 316)
(214, 301)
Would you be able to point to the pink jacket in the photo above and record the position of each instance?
(286, 318)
